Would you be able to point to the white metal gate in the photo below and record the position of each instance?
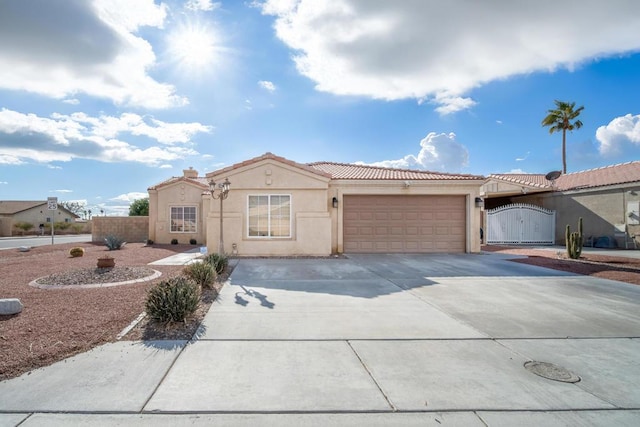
(520, 224)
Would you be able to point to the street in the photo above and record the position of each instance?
(16, 242)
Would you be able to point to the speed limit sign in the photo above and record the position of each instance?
(52, 203)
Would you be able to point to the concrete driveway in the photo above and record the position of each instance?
(369, 340)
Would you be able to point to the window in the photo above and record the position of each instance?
(269, 216)
(183, 219)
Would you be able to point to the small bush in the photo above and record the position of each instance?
(193, 242)
(114, 242)
(23, 226)
(149, 242)
(174, 241)
(202, 273)
(173, 300)
(76, 252)
(218, 261)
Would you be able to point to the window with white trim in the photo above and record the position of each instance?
(269, 215)
(183, 219)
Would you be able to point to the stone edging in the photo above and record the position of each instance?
(35, 284)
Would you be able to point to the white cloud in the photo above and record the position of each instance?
(438, 152)
(129, 197)
(165, 167)
(520, 159)
(441, 50)
(3, 182)
(63, 191)
(65, 137)
(205, 5)
(267, 85)
(620, 134)
(58, 49)
(72, 101)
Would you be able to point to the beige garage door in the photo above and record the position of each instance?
(404, 223)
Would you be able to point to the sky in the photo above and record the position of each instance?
(101, 99)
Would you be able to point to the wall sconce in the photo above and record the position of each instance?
(334, 202)
(479, 202)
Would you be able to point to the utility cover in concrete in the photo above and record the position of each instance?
(551, 372)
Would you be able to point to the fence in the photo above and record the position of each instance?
(129, 228)
(520, 224)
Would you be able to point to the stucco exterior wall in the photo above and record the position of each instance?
(129, 228)
(310, 218)
(160, 202)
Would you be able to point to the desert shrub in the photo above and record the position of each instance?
(149, 242)
(172, 300)
(174, 241)
(77, 228)
(218, 261)
(114, 242)
(24, 226)
(193, 242)
(202, 273)
(76, 252)
(61, 225)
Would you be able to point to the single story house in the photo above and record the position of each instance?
(16, 212)
(278, 207)
(607, 198)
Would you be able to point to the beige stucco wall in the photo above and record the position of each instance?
(310, 219)
(181, 193)
(128, 228)
(470, 189)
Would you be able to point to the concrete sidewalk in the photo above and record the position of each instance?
(368, 340)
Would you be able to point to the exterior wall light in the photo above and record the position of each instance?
(334, 202)
(479, 202)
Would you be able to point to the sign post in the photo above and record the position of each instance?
(52, 205)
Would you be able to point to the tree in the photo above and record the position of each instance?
(563, 118)
(74, 206)
(139, 207)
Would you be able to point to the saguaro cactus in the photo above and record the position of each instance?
(573, 241)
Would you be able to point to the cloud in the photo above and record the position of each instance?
(520, 159)
(63, 191)
(621, 134)
(204, 5)
(165, 167)
(267, 85)
(65, 137)
(442, 50)
(3, 182)
(129, 197)
(438, 152)
(60, 49)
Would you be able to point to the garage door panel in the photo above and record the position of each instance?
(404, 223)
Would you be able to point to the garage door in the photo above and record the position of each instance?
(404, 223)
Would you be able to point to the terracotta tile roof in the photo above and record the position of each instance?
(10, 207)
(362, 172)
(270, 156)
(200, 181)
(530, 180)
(621, 173)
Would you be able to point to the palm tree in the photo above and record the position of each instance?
(560, 119)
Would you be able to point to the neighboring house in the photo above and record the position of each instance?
(278, 207)
(607, 198)
(13, 212)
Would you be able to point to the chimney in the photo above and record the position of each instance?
(190, 173)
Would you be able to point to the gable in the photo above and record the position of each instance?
(271, 173)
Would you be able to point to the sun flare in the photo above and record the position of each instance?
(193, 47)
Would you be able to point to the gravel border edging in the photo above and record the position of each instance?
(35, 283)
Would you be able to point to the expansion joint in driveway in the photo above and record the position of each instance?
(364, 365)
